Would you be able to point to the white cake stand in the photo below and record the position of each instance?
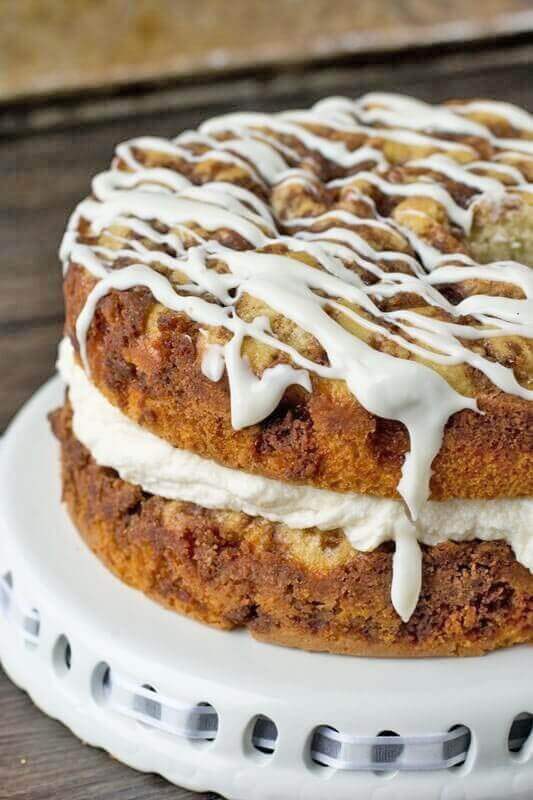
(218, 711)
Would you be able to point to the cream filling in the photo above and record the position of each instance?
(142, 458)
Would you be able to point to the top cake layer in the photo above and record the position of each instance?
(325, 297)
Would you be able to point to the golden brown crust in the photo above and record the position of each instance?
(146, 360)
(303, 589)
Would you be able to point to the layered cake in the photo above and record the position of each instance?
(299, 374)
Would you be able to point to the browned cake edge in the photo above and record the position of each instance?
(230, 570)
(325, 439)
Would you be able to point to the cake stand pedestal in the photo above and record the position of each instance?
(212, 710)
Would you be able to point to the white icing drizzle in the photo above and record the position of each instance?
(406, 571)
(262, 395)
(141, 458)
(213, 361)
(394, 388)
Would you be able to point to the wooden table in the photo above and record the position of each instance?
(49, 153)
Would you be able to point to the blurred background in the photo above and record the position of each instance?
(78, 76)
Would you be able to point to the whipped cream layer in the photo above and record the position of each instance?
(144, 459)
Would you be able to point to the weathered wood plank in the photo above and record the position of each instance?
(41, 760)
(27, 357)
(457, 71)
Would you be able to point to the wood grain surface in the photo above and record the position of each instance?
(40, 760)
(48, 155)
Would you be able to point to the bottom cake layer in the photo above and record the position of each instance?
(307, 589)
